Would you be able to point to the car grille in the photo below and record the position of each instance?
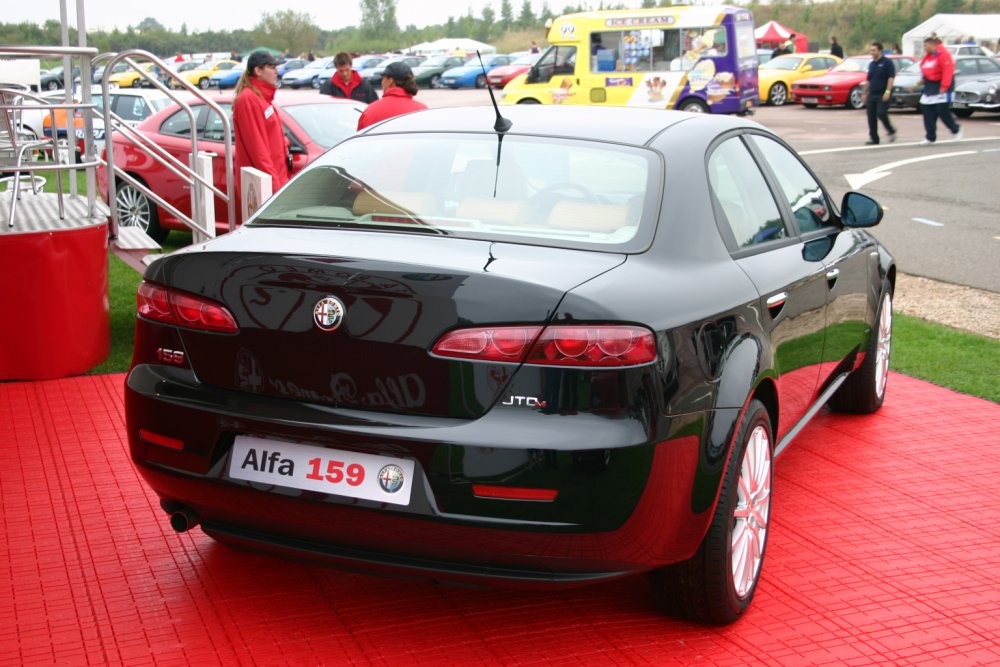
(967, 97)
(807, 86)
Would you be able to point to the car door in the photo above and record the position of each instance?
(849, 257)
(791, 284)
(175, 138)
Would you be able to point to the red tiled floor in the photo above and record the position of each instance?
(885, 549)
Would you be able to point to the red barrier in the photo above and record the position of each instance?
(54, 318)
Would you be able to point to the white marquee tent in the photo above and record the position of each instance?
(451, 44)
(953, 28)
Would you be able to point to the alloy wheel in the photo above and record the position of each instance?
(134, 208)
(883, 346)
(752, 512)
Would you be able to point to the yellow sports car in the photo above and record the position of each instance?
(129, 78)
(776, 76)
(199, 75)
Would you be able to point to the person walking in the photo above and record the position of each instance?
(938, 69)
(878, 90)
(835, 48)
(398, 89)
(347, 83)
(257, 131)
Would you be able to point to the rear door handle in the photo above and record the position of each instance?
(831, 277)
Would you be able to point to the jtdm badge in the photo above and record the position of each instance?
(328, 313)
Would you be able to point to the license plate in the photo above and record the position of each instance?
(810, 100)
(352, 474)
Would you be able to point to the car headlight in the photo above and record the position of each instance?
(827, 87)
(992, 90)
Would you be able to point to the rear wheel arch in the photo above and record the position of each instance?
(767, 393)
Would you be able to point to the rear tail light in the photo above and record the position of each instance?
(173, 307)
(590, 345)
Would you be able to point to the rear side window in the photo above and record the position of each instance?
(178, 123)
(802, 192)
(545, 191)
(738, 185)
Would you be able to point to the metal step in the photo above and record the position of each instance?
(133, 247)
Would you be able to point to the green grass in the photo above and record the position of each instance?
(961, 361)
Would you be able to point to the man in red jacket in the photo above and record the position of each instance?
(347, 83)
(938, 69)
(398, 89)
(257, 131)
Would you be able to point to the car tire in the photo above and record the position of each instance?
(693, 105)
(203, 83)
(481, 81)
(778, 94)
(137, 83)
(962, 113)
(856, 98)
(435, 81)
(864, 390)
(52, 85)
(528, 100)
(135, 209)
(315, 82)
(717, 584)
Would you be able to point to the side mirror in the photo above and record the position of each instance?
(532, 74)
(858, 210)
(807, 68)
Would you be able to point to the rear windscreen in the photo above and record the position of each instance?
(548, 191)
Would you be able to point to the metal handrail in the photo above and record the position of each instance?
(186, 172)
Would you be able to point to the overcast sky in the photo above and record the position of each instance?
(215, 15)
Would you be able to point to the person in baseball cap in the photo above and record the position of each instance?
(258, 135)
(398, 89)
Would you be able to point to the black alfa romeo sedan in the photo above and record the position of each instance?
(555, 353)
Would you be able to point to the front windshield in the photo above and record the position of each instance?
(316, 64)
(545, 191)
(912, 68)
(326, 124)
(853, 65)
(782, 63)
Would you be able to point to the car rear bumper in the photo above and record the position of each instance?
(618, 509)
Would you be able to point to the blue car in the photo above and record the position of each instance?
(225, 78)
(289, 65)
(471, 73)
(358, 64)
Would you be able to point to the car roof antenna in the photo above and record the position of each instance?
(502, 124)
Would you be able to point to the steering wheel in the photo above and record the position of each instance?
(545, 199)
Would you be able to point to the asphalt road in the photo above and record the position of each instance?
(942, 202)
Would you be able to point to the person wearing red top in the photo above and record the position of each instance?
(398, 89)
(938, 69)
(257, 131)
(347, 83)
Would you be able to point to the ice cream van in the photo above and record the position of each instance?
(684, 57)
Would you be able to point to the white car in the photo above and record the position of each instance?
(969, 50)
(132, 105)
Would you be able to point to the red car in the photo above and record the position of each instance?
(501, 76)
(842, 85)
(313, 123)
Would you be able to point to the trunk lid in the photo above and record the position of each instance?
(400, 294)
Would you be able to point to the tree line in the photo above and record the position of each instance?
(855, 22)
